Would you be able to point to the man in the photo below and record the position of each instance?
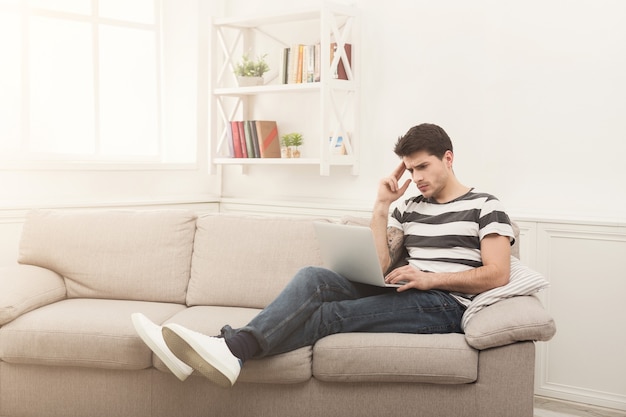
(458, 243)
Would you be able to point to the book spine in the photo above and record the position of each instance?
(318, 63)
(285, 74)
(249, 144)
(255, 139)
(242, 140)
(300, 64)
(293, 64)
(310, 63)
(236, 140)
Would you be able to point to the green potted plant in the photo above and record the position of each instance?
(290, 141)
(285, 146)
(296, 141)
(250, 72)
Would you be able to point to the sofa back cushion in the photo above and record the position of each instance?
(246, 261)
(118, 254)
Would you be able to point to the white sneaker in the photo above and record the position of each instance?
(206, 354)
(152, 336)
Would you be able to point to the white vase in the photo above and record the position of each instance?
(249, 81)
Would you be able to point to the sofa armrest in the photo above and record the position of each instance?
(508, 321)
(25, 287)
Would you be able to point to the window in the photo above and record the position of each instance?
(82, 80)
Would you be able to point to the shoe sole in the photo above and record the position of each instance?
(186, 353)
(137, 323)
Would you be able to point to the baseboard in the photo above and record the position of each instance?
(550, 407)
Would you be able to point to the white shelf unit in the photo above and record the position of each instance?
(331, 104)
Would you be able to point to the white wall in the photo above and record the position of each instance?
(526, 90)
(532, 94)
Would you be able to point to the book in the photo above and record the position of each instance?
(285, 67)
(305, 58)
(248, 134)
(255, 140)
(236, 141)
(299, 64)
(309, 67)
(340, 71)
(292, 66)
(242, 140)
(317, 70)
(267, 134)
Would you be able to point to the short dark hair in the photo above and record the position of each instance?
(424, 137)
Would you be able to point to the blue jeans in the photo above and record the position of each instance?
(318, 302)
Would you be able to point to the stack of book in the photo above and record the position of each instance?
(253, 139)
(301, 63)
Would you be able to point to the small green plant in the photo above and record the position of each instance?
(296, 140)
(249, 68)
(285, 141)
(292, 139)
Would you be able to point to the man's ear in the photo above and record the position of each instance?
(448, 158)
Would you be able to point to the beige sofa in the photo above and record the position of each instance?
(68, 347)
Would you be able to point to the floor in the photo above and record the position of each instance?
(545, 407)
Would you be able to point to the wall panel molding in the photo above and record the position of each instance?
(585, 361)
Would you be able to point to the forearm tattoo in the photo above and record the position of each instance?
(395, 242)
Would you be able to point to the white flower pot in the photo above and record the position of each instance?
(249, 81)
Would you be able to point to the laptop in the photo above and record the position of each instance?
(350, 251)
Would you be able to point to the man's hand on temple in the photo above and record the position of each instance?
(389, 189)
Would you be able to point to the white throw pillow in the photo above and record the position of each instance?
(523, 281)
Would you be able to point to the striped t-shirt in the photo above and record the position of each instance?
(446, 237)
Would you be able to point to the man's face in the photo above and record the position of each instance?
(429, 173)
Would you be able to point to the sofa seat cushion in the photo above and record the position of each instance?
(142, 255)
(395, 357)
(288, 368)
(82, 332)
